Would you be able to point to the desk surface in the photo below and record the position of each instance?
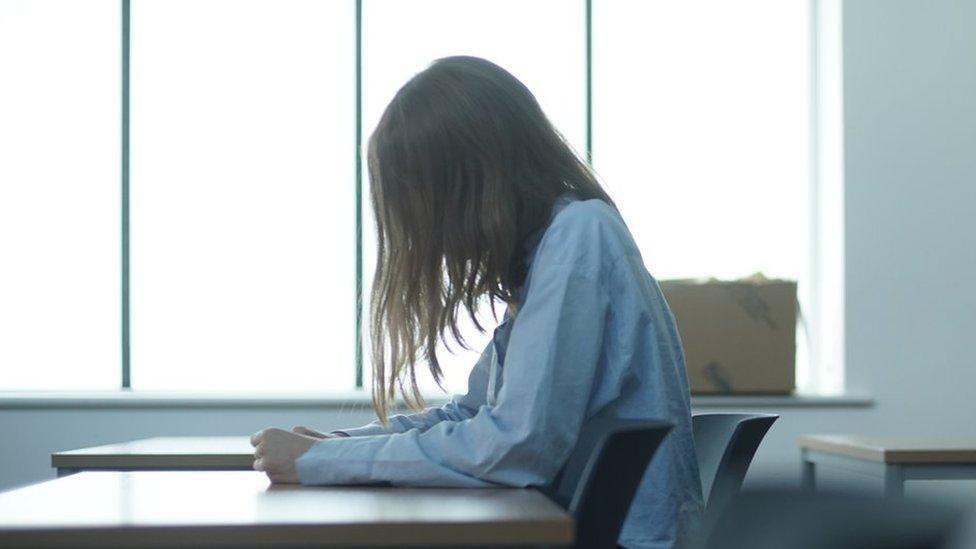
(240, 508)
(895, 449)
(162, 453)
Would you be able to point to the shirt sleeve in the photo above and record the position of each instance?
(524, 439)
(459, 408)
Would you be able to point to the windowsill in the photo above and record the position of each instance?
(351, 400)
(165, 399)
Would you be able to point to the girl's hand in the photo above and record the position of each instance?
(275, 453)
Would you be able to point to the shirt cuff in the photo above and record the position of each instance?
(320, 466)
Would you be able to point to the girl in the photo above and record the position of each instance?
(477, 195)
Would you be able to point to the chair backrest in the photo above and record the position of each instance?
(725, 444)
(598, 482)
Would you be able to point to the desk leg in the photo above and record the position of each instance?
(808, 472)
(894, 481)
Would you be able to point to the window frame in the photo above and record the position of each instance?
(825, 112)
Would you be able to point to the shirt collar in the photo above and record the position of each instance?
(531, 242)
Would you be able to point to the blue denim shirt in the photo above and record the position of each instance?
(592, 334)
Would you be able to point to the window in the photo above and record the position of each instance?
(701, 133)
(59, 195)
(242, 185)
(233, 251)
(700, 130)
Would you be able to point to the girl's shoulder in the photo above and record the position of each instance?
(586, 232)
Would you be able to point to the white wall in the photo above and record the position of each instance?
(910, 227)
(910, 224)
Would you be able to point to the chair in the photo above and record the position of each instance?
(598, 482)
(725, 444)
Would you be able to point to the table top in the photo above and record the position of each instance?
(895, 449)
(162, 453)
(235, 508)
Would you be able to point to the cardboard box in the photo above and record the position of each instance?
(739, 336)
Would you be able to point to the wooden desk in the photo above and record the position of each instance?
(161, 453)
(241, 509)
(893, 460)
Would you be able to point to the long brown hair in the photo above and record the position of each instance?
(463, 166)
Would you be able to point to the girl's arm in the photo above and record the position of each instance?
(460, 407)
(548, 376)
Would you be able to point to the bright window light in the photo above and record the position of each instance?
(59, 195)
(242, 186)
(700, 122)
(541, 42)
(701, 128)
(242, 168)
